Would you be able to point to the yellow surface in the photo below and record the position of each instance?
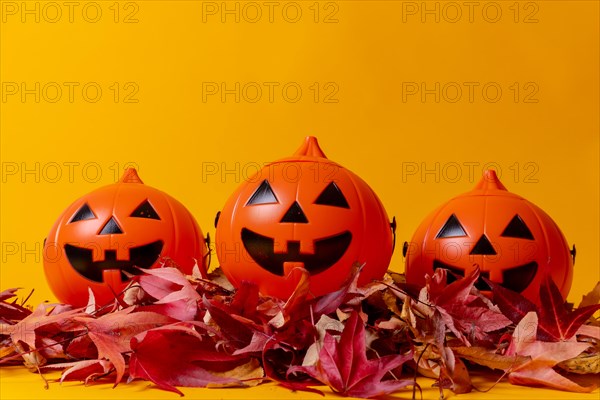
(18, 383)
(358, 65)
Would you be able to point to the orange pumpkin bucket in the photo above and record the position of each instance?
(111, 231)
(511, 240)
(303, 211)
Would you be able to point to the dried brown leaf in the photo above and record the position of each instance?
(488, 358)
(592, 298)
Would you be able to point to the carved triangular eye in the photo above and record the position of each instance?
(263, 195)
(452, 228)
(295, 214)
(145, 210)
(84, 213)
(483, 247)
(516, 228)
(332, 196)
(111, 228)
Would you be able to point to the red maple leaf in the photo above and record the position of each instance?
(345, 368)
(11, 311)
(556, 321)
(512, 304)
(299, 306)
(177, 355)
(544, 356)
(464, 313)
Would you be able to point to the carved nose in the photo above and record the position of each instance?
(483, 247)
(295, 214)
(111, 227)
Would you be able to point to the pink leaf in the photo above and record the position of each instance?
(81, 370)
(111, 333)
(162, 282)
(45, 314)
(544, 356)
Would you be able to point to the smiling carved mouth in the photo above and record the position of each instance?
(142, 256)
(516, 279)
(328, 251)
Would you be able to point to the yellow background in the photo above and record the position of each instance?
(364, 56)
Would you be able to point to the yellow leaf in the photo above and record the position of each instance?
(6, 351)
(582, 364)
(250, 373)
(390, 301)
(397, 278)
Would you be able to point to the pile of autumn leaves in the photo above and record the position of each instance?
(176, 330)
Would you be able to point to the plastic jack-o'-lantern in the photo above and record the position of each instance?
(514, 242)
(303, 211)
(111, 231)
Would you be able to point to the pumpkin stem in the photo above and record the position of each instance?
(311, 148)
(490, 181)
(130, 176)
